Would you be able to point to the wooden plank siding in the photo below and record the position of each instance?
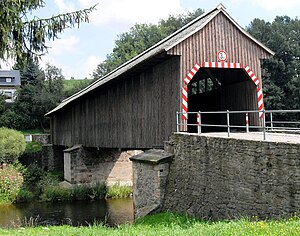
(219, 33)
(131, 112)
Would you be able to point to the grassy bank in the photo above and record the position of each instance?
(40, 185)
(172, 224)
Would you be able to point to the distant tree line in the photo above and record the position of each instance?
(281, 73)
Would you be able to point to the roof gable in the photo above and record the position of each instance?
(162, 46)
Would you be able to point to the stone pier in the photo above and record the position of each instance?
(150, 171)
(84, 165)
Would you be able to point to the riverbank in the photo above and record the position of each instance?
(172, 224)
(36, 184)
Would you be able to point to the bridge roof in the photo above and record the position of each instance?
(159, 48)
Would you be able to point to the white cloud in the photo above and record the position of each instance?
(67, 71)
(270, 5)
(7, 64)
(64, 6)
(79, 69)
(68, 44)
(91, 64)
(129, 12)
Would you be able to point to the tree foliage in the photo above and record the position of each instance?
(281, 75)
(72, 86)
(31, 73)
(42, 93)
(12, 145)
(22, 37)
(139, 38)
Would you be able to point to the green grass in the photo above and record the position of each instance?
(74, 85)
(117, 191)
(172, 224)
(32, 131)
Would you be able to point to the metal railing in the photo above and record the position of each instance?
(266, 123)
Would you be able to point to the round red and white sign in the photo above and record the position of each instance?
(222, 56)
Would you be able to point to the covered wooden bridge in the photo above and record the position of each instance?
(210, 64)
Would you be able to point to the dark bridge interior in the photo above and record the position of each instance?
(214, 89)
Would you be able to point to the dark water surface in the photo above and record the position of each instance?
(111, 212)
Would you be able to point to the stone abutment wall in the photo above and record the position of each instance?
(84, 165)
(221, 178)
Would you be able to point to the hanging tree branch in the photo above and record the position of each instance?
(23, 38)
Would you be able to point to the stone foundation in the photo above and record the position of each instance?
(88, 165)
(219, 178)
(225, 178)
(150, 172)
(49, 158)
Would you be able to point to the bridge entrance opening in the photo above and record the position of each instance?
(221, 89)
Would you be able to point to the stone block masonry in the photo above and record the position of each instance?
(223, 178)
(84, 165)
(150, 172)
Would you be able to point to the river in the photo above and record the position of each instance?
(111, 212)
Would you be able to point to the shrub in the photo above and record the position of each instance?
(33, 147)
(81, 192)
(99, 190)
(32, 176)
(56, 193)
(85, 192)
(24, 196)
(11, 181)
(12, 145)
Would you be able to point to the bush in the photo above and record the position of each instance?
(32, 176)
(11, 181)
(81, 192)
(12, 145)
(56, 193)
(24, 196)
(33, 147)
(85, 192)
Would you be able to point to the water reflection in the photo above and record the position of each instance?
(112, 212)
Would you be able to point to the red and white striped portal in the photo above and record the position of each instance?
(195, 69)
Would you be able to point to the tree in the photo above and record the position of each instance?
(139, 38)
(72, 86)
(35, 100)
(31, 73)
(12, 145)
(281, 75)
(22, 38)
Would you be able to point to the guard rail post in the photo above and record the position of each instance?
(228, 124)
(271, 120)
(177, 121)
(247, 122)
(199, 122)
(264, 123)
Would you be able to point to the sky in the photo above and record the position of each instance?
(78, 51)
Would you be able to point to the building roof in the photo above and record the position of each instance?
(10, 74)
(162, 46)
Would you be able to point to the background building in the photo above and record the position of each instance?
(9, 82)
